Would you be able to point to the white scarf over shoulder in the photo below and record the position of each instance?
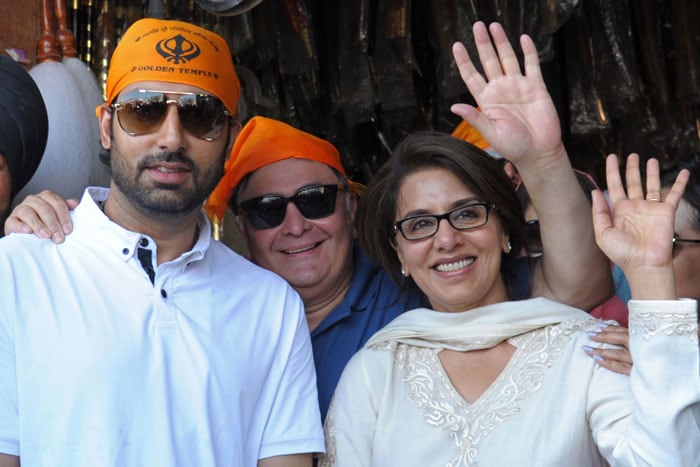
(478, 328)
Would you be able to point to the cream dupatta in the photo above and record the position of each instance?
(478, 328)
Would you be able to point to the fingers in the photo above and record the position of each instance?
(674, 196)
(601, 215)
(633, 178)
(616, 335)
(618, 359)
(495, 61)
(46, 215)
(653, 181)
(616, 190)
(487, 54)
(610, 361)
(508, 62)
(470, 75)
(532, 59)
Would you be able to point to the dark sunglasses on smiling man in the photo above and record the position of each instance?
(143, 111)
(268, 211)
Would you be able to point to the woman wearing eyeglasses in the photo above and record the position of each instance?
(480, 380)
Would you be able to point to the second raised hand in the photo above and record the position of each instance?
(517, 117)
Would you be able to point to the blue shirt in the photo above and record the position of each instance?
(372, 301)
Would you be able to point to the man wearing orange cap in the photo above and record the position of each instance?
(140, 340)
(296, 208)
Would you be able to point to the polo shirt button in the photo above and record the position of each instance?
(163, 293)
(125, 251)
(144, 242)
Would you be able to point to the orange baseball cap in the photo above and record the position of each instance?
(261, 142)
(174, 52)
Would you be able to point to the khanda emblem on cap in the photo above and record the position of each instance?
(177, 49)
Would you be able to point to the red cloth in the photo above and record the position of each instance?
(612, 308)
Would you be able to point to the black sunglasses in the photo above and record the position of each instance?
(677, 239)
(533, 238)
(268, 211)
(143, 111)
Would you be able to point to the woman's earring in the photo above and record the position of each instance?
(403, 271)
(508, 247)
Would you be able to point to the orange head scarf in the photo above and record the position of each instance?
(173, 52)
(261, 142)
(468, 133)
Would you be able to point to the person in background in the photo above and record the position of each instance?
(274, 182)
(454, 383)
(140, 340)
(24, 129)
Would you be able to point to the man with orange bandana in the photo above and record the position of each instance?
(296, 209)
(140, 340)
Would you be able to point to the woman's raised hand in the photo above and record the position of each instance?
(517, 116)
(636, 232)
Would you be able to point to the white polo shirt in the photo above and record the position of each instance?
(209, 365)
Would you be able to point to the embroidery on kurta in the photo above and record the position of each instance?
(429, 387)
(651, 324)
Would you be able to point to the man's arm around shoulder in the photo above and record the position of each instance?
(294, 460)
(13, 461)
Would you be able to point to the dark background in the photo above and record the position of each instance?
(624, 74)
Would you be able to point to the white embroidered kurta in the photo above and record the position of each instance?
(551, 406)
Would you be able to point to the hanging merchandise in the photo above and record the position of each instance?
(624, 75)
(227, 7)
(70, 161)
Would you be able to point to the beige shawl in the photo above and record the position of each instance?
(478, 328)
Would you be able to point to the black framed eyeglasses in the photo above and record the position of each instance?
(268, 211)
(467, 217)
(143, 111)
(677, 239)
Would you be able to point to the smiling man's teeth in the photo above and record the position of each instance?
(164, 169)
(300, 250)
(449, 267)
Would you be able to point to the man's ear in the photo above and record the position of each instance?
(512, 173)
(235, 129)
(106, 114)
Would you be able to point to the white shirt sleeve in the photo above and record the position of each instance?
(295, 418)
(660, 425)
(9, 418)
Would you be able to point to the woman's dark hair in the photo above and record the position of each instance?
(476, 169)
(692, 191)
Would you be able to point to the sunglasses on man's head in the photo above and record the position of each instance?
(143, 111)
(268, 211)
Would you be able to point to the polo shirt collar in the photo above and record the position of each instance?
(91, 223)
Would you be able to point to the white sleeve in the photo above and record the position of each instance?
(9, 417)
(295, 419)
(352, 416)
(659, 423)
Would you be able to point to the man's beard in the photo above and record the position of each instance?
(164, 199)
